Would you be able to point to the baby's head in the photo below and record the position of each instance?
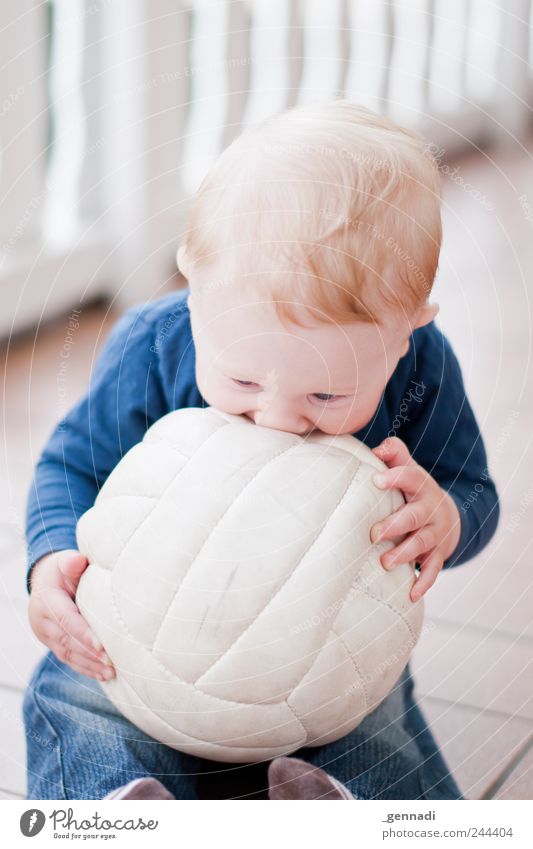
(310, 252)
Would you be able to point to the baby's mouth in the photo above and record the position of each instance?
(303, 435)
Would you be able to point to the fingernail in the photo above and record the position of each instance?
(107, 674)
(95, 642)
(376, 533)
(104, 657)
(379, 480)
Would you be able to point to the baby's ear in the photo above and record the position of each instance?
(181, 260)
(426, 314)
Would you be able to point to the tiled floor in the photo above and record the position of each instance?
(474, 664)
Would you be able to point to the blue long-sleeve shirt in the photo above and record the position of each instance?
(147, 369)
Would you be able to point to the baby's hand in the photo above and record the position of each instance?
(430, 519)
(56, 620)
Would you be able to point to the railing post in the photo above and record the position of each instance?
(144, 57)
(23, 124)
(512, 110)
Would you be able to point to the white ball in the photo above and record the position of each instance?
(234, 585)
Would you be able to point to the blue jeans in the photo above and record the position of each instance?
(80, 747)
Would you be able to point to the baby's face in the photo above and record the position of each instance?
(327, 377)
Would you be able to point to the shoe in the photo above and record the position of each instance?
(292, 778)
(141, 788)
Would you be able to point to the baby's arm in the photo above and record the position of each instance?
(439, 465)
(122, 401)
(443, 436)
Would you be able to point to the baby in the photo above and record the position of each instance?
(310, 252)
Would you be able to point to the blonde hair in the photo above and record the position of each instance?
(343, 202)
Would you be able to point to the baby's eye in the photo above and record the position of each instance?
(244, 382)
(323, 396)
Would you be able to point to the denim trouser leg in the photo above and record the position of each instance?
(391, 755)
(80, 747)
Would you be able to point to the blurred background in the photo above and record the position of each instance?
(111, 111)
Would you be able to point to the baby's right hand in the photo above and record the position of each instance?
(57, 621)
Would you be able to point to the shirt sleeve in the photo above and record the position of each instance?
(123, 399)
(443, 436)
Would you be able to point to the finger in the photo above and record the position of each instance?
(429, 572)
(68, 618)
(411, 548)
(394, 452)
(79, 663)
(410, 479)
(53, 635)
(69, 650)
(406, 519)
(72, 567)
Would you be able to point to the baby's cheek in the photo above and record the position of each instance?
(221, 397)
(349, 419)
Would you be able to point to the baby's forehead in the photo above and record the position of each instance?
(247, 337)
(245, 299)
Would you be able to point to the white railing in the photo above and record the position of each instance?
(111, 111)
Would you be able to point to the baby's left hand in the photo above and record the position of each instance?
(430, 518)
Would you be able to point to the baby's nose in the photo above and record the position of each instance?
(279, 419)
